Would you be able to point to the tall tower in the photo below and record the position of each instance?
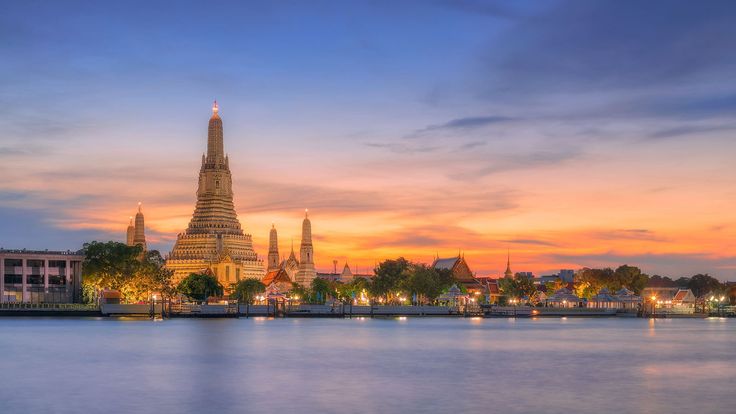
(306, 254)
(508, 272)
(139, 235)
(131, 233)
(214, 239)
(273, 250)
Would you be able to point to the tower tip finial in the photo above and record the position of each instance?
(139, 206)
(215, 108)
(306, 213)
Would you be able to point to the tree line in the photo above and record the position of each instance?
(137, 274)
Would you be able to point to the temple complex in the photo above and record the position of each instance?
(214, 239)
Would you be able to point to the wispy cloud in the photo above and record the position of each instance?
(460, 124)
(536, 242)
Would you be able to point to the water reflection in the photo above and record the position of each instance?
(366, 365)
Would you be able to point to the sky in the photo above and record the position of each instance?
(568, 133)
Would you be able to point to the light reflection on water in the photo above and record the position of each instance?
(367, 365)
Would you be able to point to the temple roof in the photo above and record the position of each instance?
(274, 276)
(446, 264)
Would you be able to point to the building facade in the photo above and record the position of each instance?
(40, 276)
(214, 239)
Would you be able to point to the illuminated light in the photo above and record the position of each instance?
(215, 108)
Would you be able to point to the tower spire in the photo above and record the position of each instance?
(139, 234)
(508, 272)
(215, 146)
(273, 249)
(130, 234)
(306, 253)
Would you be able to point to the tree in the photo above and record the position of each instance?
(109, 265)
(446, 278)
(517, 286)
(247, 289)
(388, 276)
(346, 292)
(422, 281)
(321, 289)
(554, 286)
(629, 277)
(588, 282)
(702, 284)
(299, 291)
(200, 286)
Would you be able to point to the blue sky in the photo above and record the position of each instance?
(556, 129)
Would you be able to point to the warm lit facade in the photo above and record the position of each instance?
(214, 238)
(40, 276)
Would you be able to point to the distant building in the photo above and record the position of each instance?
(528, 275)
(345, 276)
(567, 275)
(136, 233)
(40, 276)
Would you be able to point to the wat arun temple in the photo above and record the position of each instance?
(215, 242)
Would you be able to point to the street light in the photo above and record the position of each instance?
(654, 306)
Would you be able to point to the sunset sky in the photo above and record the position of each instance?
(573, 133)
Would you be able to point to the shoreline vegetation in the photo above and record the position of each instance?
(118, 279)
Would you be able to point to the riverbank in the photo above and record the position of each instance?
(316, 311)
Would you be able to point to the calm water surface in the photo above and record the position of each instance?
(422, 365)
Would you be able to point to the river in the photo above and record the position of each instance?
(403, 365)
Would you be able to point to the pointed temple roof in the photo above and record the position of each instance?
(508, 272)
(214, 231)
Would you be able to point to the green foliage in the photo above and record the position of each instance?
(517, 287)
(110, 265)
(299, 291)
(200, 286)
(629, 277)
(352, 289)
(321, 289)
(423, 281)
(554, 286)
(446, 279)
(588, 282)
(702, 284)
(247, 289)
(113, 265)
(389, 274)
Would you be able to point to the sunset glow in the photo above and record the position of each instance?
(414, 144)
